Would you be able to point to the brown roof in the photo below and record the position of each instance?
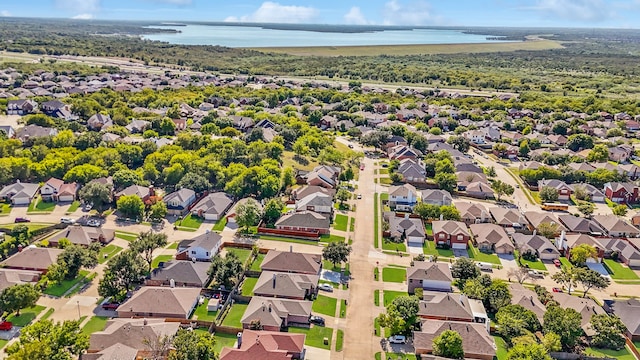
(476, 340)
(131, 333)
(450, 227)
(265, 345)
(271, 311)
(445, 305)
(289, 261)
(472, 210)
(423, 270)
(284, 284)
(527, 299)
(84, 235)
(585, 306)
(162, 300)
(492, 234)
(10, 277)
(113, 352)
(536, 218)
(33, 258)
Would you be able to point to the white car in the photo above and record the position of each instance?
(66, 220)
(94, 223)
(398, 339)
(325, 287)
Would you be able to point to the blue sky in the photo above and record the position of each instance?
(538, 13)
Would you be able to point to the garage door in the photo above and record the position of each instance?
(66, 198)
(459, 246)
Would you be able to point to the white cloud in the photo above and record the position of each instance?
(173, 2)
(592, 10)
(272, 12)
(355, 17)
(79, 6)
(84, 16)
(418, 12)
(5, 13)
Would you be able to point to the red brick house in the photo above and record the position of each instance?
(451, 233)
(622, 193)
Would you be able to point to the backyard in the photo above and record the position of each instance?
(234, 315)
(224, 340)
(95, 324)
(247, 286)
(201, 312)
(623, 354)
(315, 336)
(26, 316)
(255, 266)
(243, 254)
(325, 305)
(340, 222)
(394, 274)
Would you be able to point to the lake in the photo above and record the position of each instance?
(246, 36)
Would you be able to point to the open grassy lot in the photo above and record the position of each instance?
(393, 246)
(624, 354)
(429, 248)
(224, 340)
(243, 254)
(201, 312)
(619, 271)
(192, 222)
(247, 286)
(220, 224)
(255, 266)
(477, 255)
(340, 222)
(331, 238)
(289, 158)
(234, 315)
(37, 205)
(315, 335)
(60, 289)
(389, 295)
(127, 236)
(397, 275)
(325, 305)
(5, 209)
(26, 316)
(95, 324)
(107, 252)
(160, 258)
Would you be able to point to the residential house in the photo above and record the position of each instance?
(448, 306)
(468, 177)
(403, 227)
(567, 242)
(394, 140)
(318, 202)
(564, 191)
(138, 126)
(306, 190)
(436, 197)
(83, 235)
(492, 133)
(19, 193)
(160, 302)
(310, 221)
(178, 202)
(403, 197)
(99, 122)
(402, 152)
(476, 340)
(514, 137)
(144, 193)
(11, 277)
(201, 248)
(476, 136)
(622, 193)
(507, 217)
(180, 274)
(266, 345)
(628, 310)
(453, 234)
(530, 165)
(124, 336)
(579, 225)
(632, 171)
(584, 166)
(8, 131)
(536, 218)
(479, 190)
(559, 140)
(323, 175)
(536, 246)
(213, 206)
(58, 191)
(615, 227)
(595, 194)
(491, 238)
(472, 213)
(58, 109)
(31, 132)
(21, 107)
(242, 123)
(33, 258)
(620, 153)
(584, 306)
(292, 262)
(527, 299)
(624, 249)
(286, 285)
(276, 314)
(412, 171)
(434, 276)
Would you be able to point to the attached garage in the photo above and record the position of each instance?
(459, 246)
(66, 198)
(21, 200)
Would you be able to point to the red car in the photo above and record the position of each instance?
(21, 220)
(557, 263)
(110, 306)
(6, 326)
(558, 290)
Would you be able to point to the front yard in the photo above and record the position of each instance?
(60, 289)
(315, 336)
(429, 248)
(95, 324)
(325, 305)
(220, 224)
(5, 209)
(107, 252)
(389, 295)
(37, 206)
(26, 316)
(234, 315)
(536, 265)
(478, 255)
(340, 222)
(127, 236)
(160, 258)
(619, 271)
(393, 274)
(73, 207)
(393, 246)
(190, 221)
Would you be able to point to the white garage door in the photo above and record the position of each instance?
(459, 246)
(66, 198)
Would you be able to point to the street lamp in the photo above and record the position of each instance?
(78, 302)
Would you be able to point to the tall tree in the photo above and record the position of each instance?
(46, 340)
(193, 345)
(97, 194)
(17, 297)
(195, 182)
(401, 314)
(226, 271)
(609, 332)
(248, 214)
(273, 210)
(146, 243)
(528, 352)
(564, 322)
(581, 253)
(590, 279)
(548, 194)
(342, 195)
(158, 211)
(131, 206)
(565, 277)
(515, 320)
(122, 272)
(464, 269)
(449, 345)
(75, 257)
(548, 230)
(501, 188)
(336, 252)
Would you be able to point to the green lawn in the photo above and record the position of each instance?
(429, 248)
(325, 305)
(386, 181)
(376, 220)
(220, 224)
(30, 226)
(5, 209)
(536, 265)
(60, 289)
(160, 258)
(623, 354)
(384, 196)
(343, 308)
(255, 266)
(315, 336)
(331, 238)
(428, 229)
(340, 222)
(234, 315)
(339, 340)
(73, 207)
(393, 246)
(501, 353)
(107, 252)
(247, 286)
(397, 275)
(48, 313)
(619, 271)
(389, 295)
(477, 255)
(223, 340)
(95, 324)
(37, 205)
(126, 235)
(384, 171)
(192, 222)
(3, 343)
(376, 297)
(399, 356)
(26, 316)
(173, 246)
(201, 312)
(289, 240)
(243, 254)
(352, 225)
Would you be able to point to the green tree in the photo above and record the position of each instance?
(130, 206)
(273, 210)
(500, 148)
(158, 211)
(564, 322)
(46, 340)
(576, 142)
(445, 166)
(226, 271)
(84, 173)
(336, 252)
(459, 143)
(620, 210)
(195, 182)
(515, 320)
(548, 194)
(122, 272)
(497, 296)
(565, 277)
(524, 149)
(289, 176)
(446, 181)
(548, 230)
(248, 214)
(599, 153)
(449, 212)
(590, 279)
(609, 332)
(528, 352)
(435, 131)
(586, 208)
(401, 314)
(580, 253)
(18, 297)
(552, 342)
(464, 269)
(581, 193)
(501, 188)
(427, 211)
(449, 345)
(97, 194)
(342, 195)
(75, 257)
(193, 345)
(125, 178)
(146, 243)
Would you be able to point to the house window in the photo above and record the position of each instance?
(193, 252)
(460, 237)
(441, 236)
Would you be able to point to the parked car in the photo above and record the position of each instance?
(359, 196)
(6, 325)
(21, 220)
(485, 266)
(66, 220)
(350, 146)
(536, 274)
(398, 339)
(325, 287)
(557, 263)
(110, 305)
(93, 223)
(557, 290)
(318, 320)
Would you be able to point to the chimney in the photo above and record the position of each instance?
(535, 231)
(152, 191)
(441, 217)
(269, 307)
(274, 281)
(406, 215)
(563, 234)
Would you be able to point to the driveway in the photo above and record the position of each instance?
(508, 261)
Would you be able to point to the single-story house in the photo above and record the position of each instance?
(160, 302)
(304, 221)
(213, 206)
(140, 191)
(491, 238)
(527, 299)
(201, 248)
(403, 227)
(480, 190)
(628, 311)
(473, 213)
(11, 277)
(584, 306)
(293, 262)
(130, 333)
(616, 227)
(567, 242)
(536, 218)
(181, 274)
(436, 197)
(435, 276)
(535, 245)
(33, 258)
(286, 285)
(178, 202)
(564, 191)
(83, 235)
(508, 217)
(579, 225)
(452, 307)
(266, 345)
(451, 233)
(276, 314)
(476, 340)
(595, 194)
(19, 193)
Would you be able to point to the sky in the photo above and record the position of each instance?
(519, 13)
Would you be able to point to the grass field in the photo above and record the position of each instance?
(478, 255)
(393, 246)
(95, 324)
(3, 343)
(536, 265)
(389, 295)
(343, 308)
(325, 305)
(623, 354)
(331, 238)
(255, 266)
(619, 271)
(339, 340)
(191, 222)
(126, 236)
(376, 220)
(48, 313)
(397, 275)
(224, 340)
(30, 226)
(429, 248)
(5, 209)
(565, 262)
(107, 252)
(247, 286)
(60, 289)
(173, 245)
(376, 297)
(315, 336)
(501, 352)
(160, 258)
(220, 224)
(37, 205)
(201, 312)
(243, 254)
(26, 316)
(73, 207)
(340, 222)
(234, 315)
(289, 158)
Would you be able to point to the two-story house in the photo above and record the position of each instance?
(57, 190)
(178, 202)
(564, 190)
(453, 234)
(403, 197)
(622, 193)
